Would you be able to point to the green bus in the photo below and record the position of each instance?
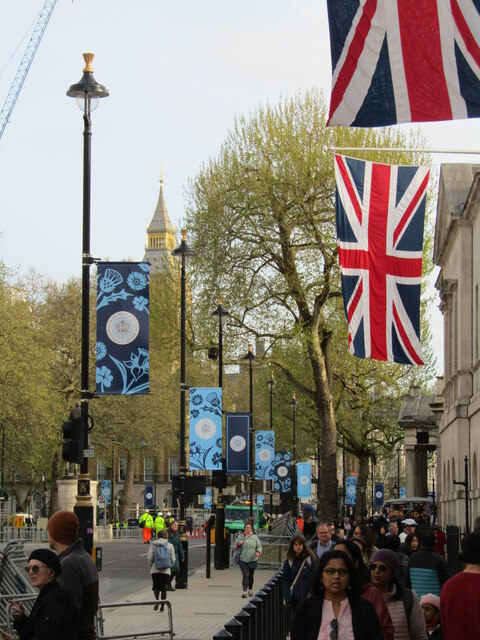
(237, 514)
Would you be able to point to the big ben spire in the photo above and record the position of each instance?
(160, 236)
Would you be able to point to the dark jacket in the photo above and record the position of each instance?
(53, 616)
(80, 578)
(428, 571)
(174, 540)
(308, 618)
(302, 585)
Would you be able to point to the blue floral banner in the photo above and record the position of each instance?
(281, 471)
(205, 428)
(122, 360)
(264, 454)
(238, 443)
(304, 480)
(351, 490)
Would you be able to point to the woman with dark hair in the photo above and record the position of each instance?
(367, 590)
(412, 544)
(297, 571)
(335, 610)
(174, 540)
(403, 605)
(365, 532)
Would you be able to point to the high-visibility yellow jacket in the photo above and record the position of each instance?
(147, 519)
(159, 523)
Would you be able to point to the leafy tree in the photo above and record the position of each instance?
(263, 224)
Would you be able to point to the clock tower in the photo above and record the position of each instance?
(160, 237)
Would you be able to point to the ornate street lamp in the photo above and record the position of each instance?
(271, 383)
(250, 357)
(183, 252)
(87, 93)
(294, 403)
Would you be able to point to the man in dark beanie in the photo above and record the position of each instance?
(79, 573)
(53, 616)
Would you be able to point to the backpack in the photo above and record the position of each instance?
(161, 557)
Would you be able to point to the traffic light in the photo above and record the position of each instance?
(73, 440)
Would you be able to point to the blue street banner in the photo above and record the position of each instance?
(205, 428)
(351, 490)
(304, 480)
(281, 470)
(207, 501)
(106, 491)
(260, 500)
(403, 492)
(379, 494)
(238, 442)
(148, 500)
(264, 454)
(122, 355)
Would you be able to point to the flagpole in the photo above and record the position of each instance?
(403, 150)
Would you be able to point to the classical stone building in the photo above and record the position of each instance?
(457, 253)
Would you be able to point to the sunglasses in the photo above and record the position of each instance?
(334, 631)
(331, 571)
(373, 566)
(34, 568)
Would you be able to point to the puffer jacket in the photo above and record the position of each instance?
(428, 572)
(302, 586)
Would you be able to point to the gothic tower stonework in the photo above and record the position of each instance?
(160, 237)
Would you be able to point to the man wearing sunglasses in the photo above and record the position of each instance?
(53, 616)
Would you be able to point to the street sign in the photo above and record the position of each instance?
(88, 453)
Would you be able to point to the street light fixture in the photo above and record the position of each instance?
(250, 357)
(271, 383)
(87, 93)
(220, 313)
(294, 403)
(183, 253)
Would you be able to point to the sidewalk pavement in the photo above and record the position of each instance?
(198, 612)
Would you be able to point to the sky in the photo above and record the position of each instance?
(178, 73)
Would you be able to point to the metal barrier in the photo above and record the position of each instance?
(117, 626)
(264, 617)
(25, 534)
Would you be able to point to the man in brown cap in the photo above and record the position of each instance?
(79, 574)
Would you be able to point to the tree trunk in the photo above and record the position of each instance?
(127, 488)
(53, 506)
(362, 488)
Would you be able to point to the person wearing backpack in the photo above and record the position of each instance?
(403, 606)
(161, 558)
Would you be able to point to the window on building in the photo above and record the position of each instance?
(148, 469)
(122, 468)
(173, 466)
(101, 470)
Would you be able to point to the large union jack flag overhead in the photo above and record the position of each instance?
(380, 218)
(404, 61)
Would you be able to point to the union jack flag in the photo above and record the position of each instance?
(380, 215)
(404, 61)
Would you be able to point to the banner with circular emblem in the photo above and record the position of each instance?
(264, 454)
(205, 428)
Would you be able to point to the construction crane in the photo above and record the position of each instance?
(25, 64)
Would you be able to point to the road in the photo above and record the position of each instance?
(125, 569)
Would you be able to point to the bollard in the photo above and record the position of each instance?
(251, 609)
(234, 627)
(222, 634)
(244, 619)
(258, 602)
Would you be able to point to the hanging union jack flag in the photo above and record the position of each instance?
(380, 219)
(404, 61)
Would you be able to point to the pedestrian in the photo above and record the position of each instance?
(174, 539)
(430, 604)
(367, 590)
(460, 596)
(365, 532)
(53, 616)
(250, 550)
(159, 523)
(428, 570)
(161, 558)
(402, 603)
(335, 609)
(323, 540)
(309, 527)
(297, 571)
(145, 523)
(409, 526)
(79, 574)
(412, 544)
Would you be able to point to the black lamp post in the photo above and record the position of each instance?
(250, 357)
(87, 92)
(464, 483)
(220, 313)
(294, 403)
(183, 252)
(271, 383)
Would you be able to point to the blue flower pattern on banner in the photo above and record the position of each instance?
(281, 474)
(205, 429)
(124, 365)
(264, 454)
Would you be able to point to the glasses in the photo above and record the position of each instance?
(331, 572)
(373, 566)
(334, 631)
(34, 568)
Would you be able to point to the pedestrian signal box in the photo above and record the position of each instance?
(73, 440)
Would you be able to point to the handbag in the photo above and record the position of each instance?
(236, 556)
(296, 577)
